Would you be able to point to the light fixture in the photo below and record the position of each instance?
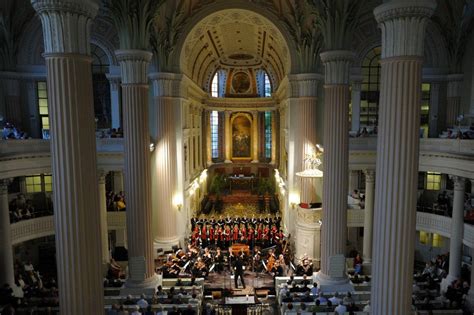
(178, 201)
(152, 147)
(320, 222)
(294, 200)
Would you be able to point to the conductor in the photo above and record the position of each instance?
(239, 272)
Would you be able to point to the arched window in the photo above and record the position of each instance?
(268, 135)
(215, 85)
(214, 121)
(370, 92)
(101, 87)
(267, 86)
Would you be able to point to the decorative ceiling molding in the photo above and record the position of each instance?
(234, 38)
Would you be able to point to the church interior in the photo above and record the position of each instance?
(236, 157)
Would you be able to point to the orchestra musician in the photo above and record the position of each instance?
(219, 260)
(305, 267)
(200, 268)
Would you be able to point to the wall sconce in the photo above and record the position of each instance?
(294, 200)
(152, 147)
(178, 201)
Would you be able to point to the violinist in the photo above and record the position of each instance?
(200, 268)
(207, 256)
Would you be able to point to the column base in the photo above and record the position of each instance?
(209, 163)
(227, 161)
(446, 282)
(148, 286)
(329, 284)
(469, 303)
(255, 161)
(165, 243)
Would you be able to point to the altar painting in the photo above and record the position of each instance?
(241, 132)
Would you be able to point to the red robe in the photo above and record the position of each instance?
(235, 235)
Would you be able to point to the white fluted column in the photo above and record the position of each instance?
(368, 216)
(254, 136)
(141, 265)
(165, 160)
(336, 162)
(7, 274)
(453, 104)
(104, 232)
(227, 137)
(457, 231)
(403, 29)
(73, 151)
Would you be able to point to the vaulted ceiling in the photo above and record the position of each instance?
(234, 38)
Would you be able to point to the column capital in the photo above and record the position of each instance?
(403, 26)
(134, 65)
(166, 84)
(304, 84)
(4, 186)
(459, 182)
(114, 81)
(338, 65)
(66, 24)
(454, 85)
(369, 175)
(356, 86)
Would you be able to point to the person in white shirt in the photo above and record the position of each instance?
(335, 300)
(142, 303)
(136, 311)
(29, 267)
(341, 309)
(367, 307)
(315, 289)
(283, 290)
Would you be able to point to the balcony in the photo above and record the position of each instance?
(27, 230)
